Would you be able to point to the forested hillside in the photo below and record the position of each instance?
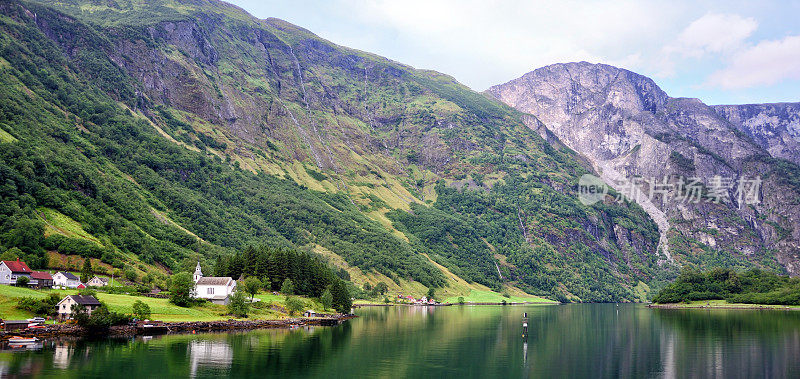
(154, 134)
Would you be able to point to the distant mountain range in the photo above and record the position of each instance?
(154, 134)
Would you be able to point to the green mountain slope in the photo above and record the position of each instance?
(180, 130)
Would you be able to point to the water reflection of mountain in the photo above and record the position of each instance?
(730, 343)
(592, 340)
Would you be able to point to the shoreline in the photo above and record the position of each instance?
(181, 327)
(450, 304)
(725, 306)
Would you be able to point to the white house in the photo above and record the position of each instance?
(66, 279)
(11, 270)
(64, 307)
(217, 289)
(97, 282)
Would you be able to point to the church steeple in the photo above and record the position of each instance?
(197, 273)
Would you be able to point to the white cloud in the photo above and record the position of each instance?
(488, 42)
(714, 33)
(706, 49)
(764, 64)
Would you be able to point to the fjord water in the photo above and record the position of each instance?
(581, 340)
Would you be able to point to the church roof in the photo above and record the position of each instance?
(214, 280)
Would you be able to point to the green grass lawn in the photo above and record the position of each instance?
(161, 309)
(312, 304)
(8, 302)
(476, 296)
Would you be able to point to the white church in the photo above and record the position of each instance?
(216, 289)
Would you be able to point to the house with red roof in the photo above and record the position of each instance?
(11, 270)
(41, 279)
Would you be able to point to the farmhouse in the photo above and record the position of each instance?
(64, 307)
(41, 279)
(97, 282)
(11, 270)
(66, 279)
(217, 289)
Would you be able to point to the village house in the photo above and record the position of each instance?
(11, 270)
(66, 279)
(97, 282)
(64, 307)
(310, 313)
(216, 289)
(41, 279)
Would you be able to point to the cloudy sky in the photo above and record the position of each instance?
(719, 51)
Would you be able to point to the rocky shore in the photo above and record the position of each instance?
(60, 330)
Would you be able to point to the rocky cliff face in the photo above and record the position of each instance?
(632, 131)
(774, 127)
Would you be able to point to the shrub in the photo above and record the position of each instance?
(251, 285)
(381, 288)
(86, 271)
(181, 289)
(99, 321)
(22, 281)
(130, 274)
(326, 299)
(39, 307)
(287, 288)
(342, 302)
(87, 292)
(293, 305)
(238, 304)
(141, 310)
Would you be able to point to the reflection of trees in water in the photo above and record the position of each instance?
(575, 341)
(592, 340)
(730, 343)
(718, 323)
(288, 352)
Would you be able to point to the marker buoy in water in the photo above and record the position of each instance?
(525, 325)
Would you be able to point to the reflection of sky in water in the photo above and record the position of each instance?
(205, 353)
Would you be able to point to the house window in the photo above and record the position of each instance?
(210, 291)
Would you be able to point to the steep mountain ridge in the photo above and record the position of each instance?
(774, 127)
(182, 130)
(630, 129)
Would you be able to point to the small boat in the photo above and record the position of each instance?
(21, 340)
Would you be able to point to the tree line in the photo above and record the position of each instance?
(289, 271)
(754, 286)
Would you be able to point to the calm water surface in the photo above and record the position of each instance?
(591, 340)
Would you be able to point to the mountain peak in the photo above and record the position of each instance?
(629, 128)
(578, 86)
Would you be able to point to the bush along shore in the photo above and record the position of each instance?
(726, 288)
(71, 329)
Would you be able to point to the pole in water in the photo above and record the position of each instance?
(525, 325)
